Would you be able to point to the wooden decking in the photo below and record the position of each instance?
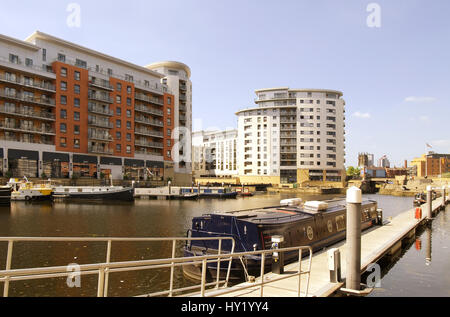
(375, 243)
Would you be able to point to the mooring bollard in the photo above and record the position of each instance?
(353, 269)
(334, 265)
(278, 257)
(429, 203)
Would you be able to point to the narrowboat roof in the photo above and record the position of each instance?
(282, 213)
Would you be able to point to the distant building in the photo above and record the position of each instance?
(431, 164)
(373, 172)
(214, 153)
(384, 162)
(392, 172)
(365, 159)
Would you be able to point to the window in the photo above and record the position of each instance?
(169, 142)
(76, 89)
(14, 58)
(129, 125)
(80, 63)
(28, 62)
(76, 102)
(110, 71)
(118, 111)
(118, 148)
(63, 142)
(128, 136)
(169, 100)
(128, 101)
(168, 153)
(76, 143)
(169, 132)
(128, 113)
(63, 85)
(76, 129)
(118, 99)
(119, 87)
(129, 87)
(63, 128)
(118, 123)
(118, 135)
(63, 72)
(76, 116)
(63, 114)
(128, 78)
(44, 55)
(128, 148)
(169, 122)
(61, 57)
(77, 75)
(146, 83)
(168, 111)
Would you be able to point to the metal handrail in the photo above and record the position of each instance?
(103, 269)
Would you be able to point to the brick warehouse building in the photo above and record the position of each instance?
(66, 110)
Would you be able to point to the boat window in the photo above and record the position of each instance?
(340, 223)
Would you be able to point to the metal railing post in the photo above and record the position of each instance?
(299, 271)
(263, 257)
(8, 267)
(203, 278)
(101, 282)
(172, 267)
(108, 259)
(218, 264)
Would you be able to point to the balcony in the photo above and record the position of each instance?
(100, 83)
(28, 99)
(183, 87)
(97, 136)
(182, 108)
(26, 129)
(23, 140)
(20, 112)
(182, 117)
(148, 110)
(149, 132)
(100, 123)
(98, 109)
(100, 97)
(145, 98)
(147, 121)
(44, 70)
(42, 85)
(98, 149)
(144, 143)
(182, 97)
(147, 152)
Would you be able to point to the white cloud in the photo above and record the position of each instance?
(364, 115)
(416, 99)
(424, 118)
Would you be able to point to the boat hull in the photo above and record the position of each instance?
(126, 194)
(219, 195)
(5, 196)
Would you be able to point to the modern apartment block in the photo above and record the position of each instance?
(177, 78)
(293, 136)
(431, 164)
(66, 110)
(214, 153)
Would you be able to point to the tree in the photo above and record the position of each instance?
(353, 172)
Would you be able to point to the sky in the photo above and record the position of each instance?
(389, 58)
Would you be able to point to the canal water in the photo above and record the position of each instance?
(412, 274)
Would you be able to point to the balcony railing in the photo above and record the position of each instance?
(20, 112)
(104, 84)
(27, 129)
(145, 120)
(29, 99)
(148, 144)
(182, 108)
(149, 132)
(100, 123)
(34, 84)
(147, 152)
(94, 108)
(148, 110)
(100, 97)
(45, 69)
(99, 149)
(18, 139)
(100, 136)
(145, 98)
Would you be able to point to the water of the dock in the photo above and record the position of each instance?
(152, 218)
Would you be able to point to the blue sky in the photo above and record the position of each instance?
(395, 78)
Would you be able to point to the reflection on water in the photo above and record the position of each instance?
(158, 218)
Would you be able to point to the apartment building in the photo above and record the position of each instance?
(67, 110)
(177, 78)
(214, 153)
(431, 164)
(293, 136)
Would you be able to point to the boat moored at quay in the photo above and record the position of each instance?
(316, 224)
(5, 195)
(96, 193)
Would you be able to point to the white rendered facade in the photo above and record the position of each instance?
(214, 153)
(297, 134)
(177, 78)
